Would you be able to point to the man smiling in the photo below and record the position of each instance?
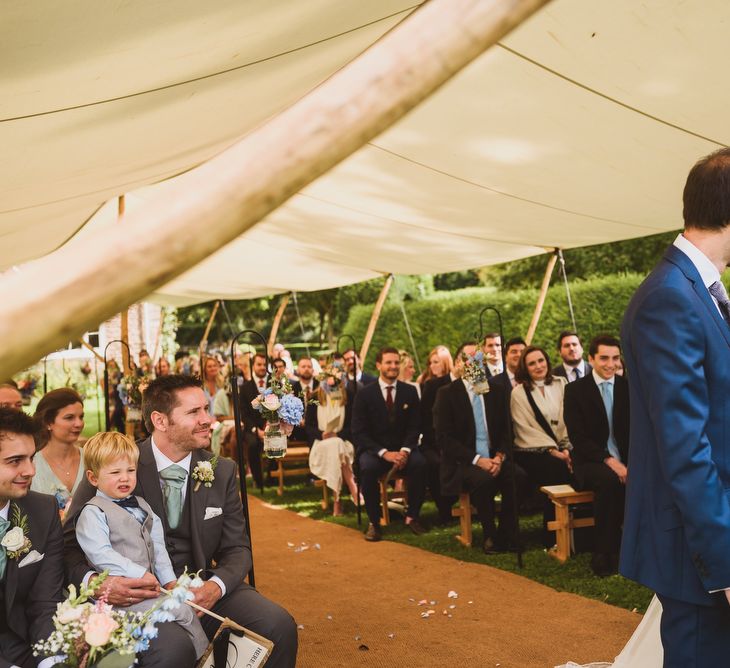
(204, 526)
(31, 558)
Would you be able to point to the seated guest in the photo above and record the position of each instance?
(31, 569)
(352, 360)
(513, 350)
(573, 365)
(118, 532)
(204, 528)
(542, 447)
(439, 364)
(305, 387)
(253, 422)
(213, 383)
(493, 353)
(597, 417)
(385, 428)
(10, 397)
(430, 447)
(473, 433)
(332, 454)
(162, 368)
(59, 462)
(408, 370)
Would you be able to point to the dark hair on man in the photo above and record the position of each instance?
(349, 350)
(386, 351)
(706, 196)
(181, 354)
(260, 356)
(48, 408)
(460, 349)
(304, 358)
(279, 361)
(9, 383)
(603, 340)
(514, 341)
(523, 376)
(492, 335)
(16, 422)
(565, 334)
(161, 395)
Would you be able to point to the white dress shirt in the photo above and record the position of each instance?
(384, 390)
(707, 270)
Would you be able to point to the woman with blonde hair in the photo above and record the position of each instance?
(332, 454)
(440, 363)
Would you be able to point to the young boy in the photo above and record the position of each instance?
(120, 533)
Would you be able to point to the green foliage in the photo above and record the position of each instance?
(632, 255)
(453, 317)
(456, 280)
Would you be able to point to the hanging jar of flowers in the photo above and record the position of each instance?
(282, 411)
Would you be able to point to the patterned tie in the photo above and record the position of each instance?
(717, 290)
(174, 477)
(4, 526)
(607, 395)
(389, 398)
(482, 435)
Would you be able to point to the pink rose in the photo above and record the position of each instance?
(98, 629)
(271, 402)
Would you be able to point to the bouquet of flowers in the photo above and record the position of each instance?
(86, 632)
(26, 387)
(475, 372)
(282, 411)
(331, 378)
(130, 390)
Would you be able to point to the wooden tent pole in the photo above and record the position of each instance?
(541, 297)
(233, 191)
(277, 321)
(375, 317)
(88, 346)
(204, 341)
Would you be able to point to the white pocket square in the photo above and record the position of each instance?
(32, 557)
(211, 512)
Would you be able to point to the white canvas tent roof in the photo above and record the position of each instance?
(579, 128)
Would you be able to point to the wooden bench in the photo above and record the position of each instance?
(563, 497)
(325, 493)
(297, 453)
(464, 512)
(385, 496)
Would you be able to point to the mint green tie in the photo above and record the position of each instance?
(174, 477)
(4, 526)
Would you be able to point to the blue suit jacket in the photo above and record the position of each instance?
(677, 348)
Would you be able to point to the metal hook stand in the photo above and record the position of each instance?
(239, 436)
(510, 435)
(354, 394)
(107, 417)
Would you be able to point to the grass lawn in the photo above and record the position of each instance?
(574, 576)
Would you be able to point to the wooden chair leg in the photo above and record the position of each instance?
(562, 534)
(385, 519)
(325, 501)
(280, 475)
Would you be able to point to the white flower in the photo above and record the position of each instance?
(271, 402)
(205, 467)
(256, 402)
(13, 540)
(68, 613)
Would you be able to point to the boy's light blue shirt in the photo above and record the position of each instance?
(92, 533)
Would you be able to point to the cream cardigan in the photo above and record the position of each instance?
(528, 432)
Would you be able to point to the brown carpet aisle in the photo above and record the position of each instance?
(349, 593)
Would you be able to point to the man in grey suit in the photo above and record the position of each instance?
(204, 527)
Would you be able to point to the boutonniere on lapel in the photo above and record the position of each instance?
(204, 472)
(16, 541)
(405, 407)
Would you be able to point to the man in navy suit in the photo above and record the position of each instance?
(676, 337)
(386, 423)
(596, 412)
(352, 361)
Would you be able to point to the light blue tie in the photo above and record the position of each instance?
(607, 394)
(174, 477)
(477, 406)
(4, 526)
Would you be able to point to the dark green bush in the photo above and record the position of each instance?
(451, 317)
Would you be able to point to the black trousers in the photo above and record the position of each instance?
(608, 505)
(544, 469)
(254, 451)
(372, 467)
(433, 468)
(244, 605)
(483, 487)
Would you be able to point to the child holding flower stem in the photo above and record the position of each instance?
(120, 533)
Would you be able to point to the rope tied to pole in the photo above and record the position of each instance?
(299, 318)
(561, 259)
(410, 333)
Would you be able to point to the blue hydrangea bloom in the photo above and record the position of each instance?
(291, 410)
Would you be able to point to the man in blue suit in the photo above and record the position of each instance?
(676, 336)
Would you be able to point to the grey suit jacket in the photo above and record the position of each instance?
(220, 544)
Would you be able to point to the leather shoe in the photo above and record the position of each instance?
(489, 547)
(416, 527)
(601, 564)
(373, 533)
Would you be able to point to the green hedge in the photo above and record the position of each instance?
(451, 317)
